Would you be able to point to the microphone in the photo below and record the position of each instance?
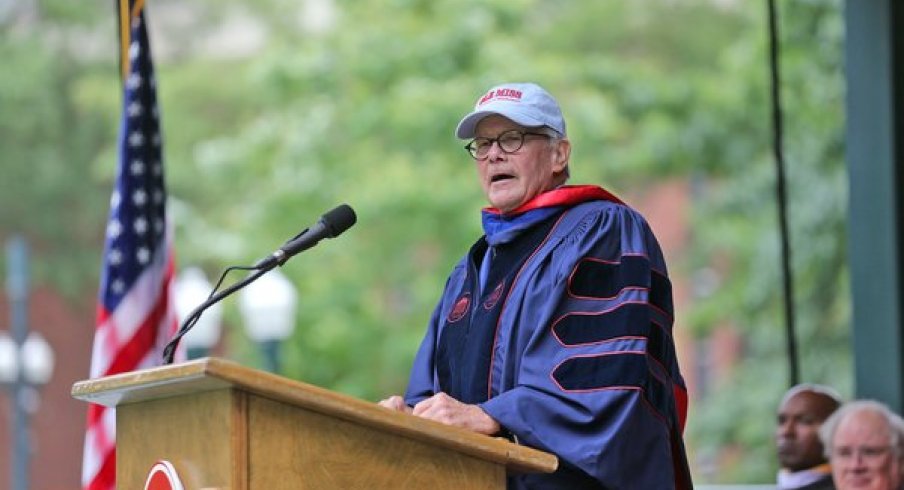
(332, 224)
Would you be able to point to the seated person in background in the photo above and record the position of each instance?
(864, 441)
(801, 413)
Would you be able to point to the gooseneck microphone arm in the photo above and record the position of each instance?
(332, 224)
(169, 352)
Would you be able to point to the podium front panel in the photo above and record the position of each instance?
(202, 435)
(300, 449)
(224, 426)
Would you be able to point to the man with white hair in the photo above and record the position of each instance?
(555, 329)
(864, 441)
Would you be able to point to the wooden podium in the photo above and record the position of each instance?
(225, 426)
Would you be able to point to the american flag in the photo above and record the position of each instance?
(135, 313)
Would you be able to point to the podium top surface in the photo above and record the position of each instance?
(216, 374)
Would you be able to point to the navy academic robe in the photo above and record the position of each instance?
(567, 345)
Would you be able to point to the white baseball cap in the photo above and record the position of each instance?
(524, 103)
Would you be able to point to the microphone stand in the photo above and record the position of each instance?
(169, 352)
(333, 223)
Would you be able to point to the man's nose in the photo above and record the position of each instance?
(495, 152)
(786, 429)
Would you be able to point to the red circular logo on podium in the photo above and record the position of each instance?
(163, 477)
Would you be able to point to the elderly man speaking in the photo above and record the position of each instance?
(555, 328)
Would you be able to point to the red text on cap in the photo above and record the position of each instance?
(500, 93)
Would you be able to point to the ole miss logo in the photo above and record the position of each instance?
(500, 93)
(460, 309)
(163, 476)
(493, 298)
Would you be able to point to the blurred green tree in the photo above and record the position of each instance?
(52, 127)
(737, 243)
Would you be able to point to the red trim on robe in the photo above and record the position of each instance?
(566, 195)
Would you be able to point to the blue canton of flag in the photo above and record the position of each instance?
(135, 232)
(135, 312)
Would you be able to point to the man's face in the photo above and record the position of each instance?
(797, 430)
(511, 179)
(862, 457)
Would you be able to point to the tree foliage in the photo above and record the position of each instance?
(52, 126)
(738, 243)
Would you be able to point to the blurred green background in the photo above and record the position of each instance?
(275, 111)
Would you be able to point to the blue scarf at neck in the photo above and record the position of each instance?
(500, 228)
(503, 228)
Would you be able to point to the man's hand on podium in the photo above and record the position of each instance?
(447, 410)
(396, 403)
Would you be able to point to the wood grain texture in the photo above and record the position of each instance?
(315, 451)
(195, 433)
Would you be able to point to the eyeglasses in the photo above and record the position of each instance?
(868, 453)
(509, 142)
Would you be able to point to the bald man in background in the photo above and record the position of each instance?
(801, 455)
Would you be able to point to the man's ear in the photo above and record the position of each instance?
(561, 154)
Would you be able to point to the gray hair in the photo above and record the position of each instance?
(552, 133)
(554, 138)
(893, 421)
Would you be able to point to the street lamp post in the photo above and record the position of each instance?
(192, 289)
(26, 361)
(268, 309)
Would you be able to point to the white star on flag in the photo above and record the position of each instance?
(134, 81)
(143, 255)
(140, 225)
(135, 109)
(136, 139)
(114, 229)
(140, 198)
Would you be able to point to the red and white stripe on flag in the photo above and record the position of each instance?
(135, 312)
